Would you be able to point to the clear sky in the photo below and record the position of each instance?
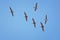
(16, 28)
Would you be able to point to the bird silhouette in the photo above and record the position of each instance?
(26, 17)
(35, 7)
(42, 26)
(11, 11)
(46, 19)
(34, 22)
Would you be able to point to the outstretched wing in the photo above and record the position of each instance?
(35, 8)
(46, 19)
(11, 11)
(26, 17)
(42, 26)
(34, 22)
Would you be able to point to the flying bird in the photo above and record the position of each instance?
(26, 17)
(34, 22)
(42, 26)
(46, 19)
(11, 11)
(35, 7)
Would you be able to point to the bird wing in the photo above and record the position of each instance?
(46, 19)
(11, 11)
(35, 8)
(42, 26)
(34, 22)
(26, 17)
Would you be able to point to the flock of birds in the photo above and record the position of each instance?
(34, 23)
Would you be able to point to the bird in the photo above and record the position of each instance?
(42, 26)
(46, 19)
(34, 22)
(26, 17)
(11, 11)
(35, 7)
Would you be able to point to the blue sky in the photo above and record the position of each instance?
(16, 28)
